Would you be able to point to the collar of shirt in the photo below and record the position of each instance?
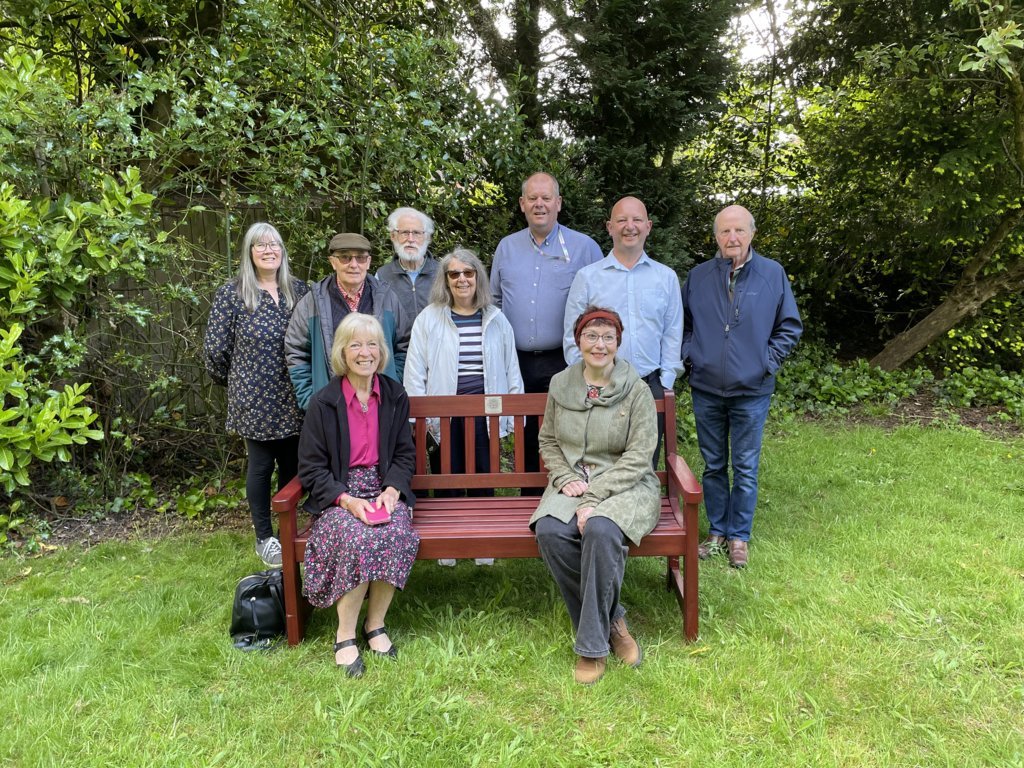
(559, 251)
(612, 261)
(349, 392)
(352, 299)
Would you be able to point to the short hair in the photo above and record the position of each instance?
(441, 293)
(428, 224)
(714, 224)
(353, 323)
(248, 280)
(604, 316)
(522, 190)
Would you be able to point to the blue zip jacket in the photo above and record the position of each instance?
(736, 347)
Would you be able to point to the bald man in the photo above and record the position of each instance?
(740, 323)
(643, 292)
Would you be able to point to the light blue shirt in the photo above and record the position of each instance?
(530, 282)
(647, 298)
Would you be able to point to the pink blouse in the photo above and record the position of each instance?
(363, 427)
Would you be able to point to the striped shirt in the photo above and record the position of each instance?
(471, 352)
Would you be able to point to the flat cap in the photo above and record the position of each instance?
(348, 241)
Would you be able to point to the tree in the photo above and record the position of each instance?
(626, 85)
(914, 155)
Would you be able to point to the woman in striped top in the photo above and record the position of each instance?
(462, 345)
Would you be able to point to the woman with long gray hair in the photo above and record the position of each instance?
(244, 349)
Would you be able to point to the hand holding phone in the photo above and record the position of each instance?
(378, 514)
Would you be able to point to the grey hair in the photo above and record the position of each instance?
(428, 224)
(248, 281)
(753, 224)
(353, 323)
(441, 294)
(522, 192)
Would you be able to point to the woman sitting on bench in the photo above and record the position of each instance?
(597, 439)
(356, 458)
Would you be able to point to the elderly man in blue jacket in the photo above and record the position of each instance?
(740, 321)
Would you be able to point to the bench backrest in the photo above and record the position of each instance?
(514, 475)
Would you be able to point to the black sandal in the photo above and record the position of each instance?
(391, 652)
(356, 668)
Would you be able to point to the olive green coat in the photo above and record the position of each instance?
(614, 435)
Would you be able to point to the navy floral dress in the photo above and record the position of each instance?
(245, 351)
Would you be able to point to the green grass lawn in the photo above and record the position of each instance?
(881, 622)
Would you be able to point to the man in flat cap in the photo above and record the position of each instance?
(307, 343)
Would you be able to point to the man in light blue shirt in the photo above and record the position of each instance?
(530, 278)
(645, 294)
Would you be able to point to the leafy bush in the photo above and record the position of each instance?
(984, 386)
(814, 381)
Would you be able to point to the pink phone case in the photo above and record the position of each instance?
(379, 514)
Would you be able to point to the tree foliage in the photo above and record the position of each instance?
(906, 209)
(626, 85)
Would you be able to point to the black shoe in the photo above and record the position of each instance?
(391, 652)
(356, 668)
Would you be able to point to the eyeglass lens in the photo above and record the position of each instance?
(453, 274)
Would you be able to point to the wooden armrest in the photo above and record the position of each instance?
(287, 499)
(682, 477)
(682, 480)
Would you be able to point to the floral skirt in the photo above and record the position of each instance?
(342, 551)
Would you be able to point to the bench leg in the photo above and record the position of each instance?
(296, 608)
(684, 586)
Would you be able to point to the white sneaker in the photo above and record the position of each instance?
(269, 551)
(447, 563)
(484, 561)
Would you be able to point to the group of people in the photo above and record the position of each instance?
(603, 335)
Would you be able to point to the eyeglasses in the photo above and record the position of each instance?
(273, 245)
(416, 234)
(453, 274)
(346, 256)
(592, 338)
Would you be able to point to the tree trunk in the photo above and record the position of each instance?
(965, 300)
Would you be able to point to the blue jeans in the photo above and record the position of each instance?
(720, 421)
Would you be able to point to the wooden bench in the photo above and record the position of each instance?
(498, 526)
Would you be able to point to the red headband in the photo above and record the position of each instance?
(598, 314)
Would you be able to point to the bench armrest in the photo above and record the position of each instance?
(682, 482)
(287, 499)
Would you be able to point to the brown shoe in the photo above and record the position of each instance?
(738, 553)
(589, 671)
(624, 646)
(711, 546)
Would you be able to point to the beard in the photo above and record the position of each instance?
(416, 259)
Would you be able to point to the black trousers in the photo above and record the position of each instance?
(653, 380)
(457, 451)
(263, 456)
(537, 369)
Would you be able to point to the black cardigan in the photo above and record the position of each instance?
(324, 445)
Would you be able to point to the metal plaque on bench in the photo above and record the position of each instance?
(492, 405)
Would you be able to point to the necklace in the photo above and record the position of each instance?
(363, 406)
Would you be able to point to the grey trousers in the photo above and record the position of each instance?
(588, 570)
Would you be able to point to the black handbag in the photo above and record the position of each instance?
(257, 615)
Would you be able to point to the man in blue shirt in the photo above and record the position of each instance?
(643, 292)
(740, 323)
(530, 278)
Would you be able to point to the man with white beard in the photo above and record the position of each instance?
(411, 272)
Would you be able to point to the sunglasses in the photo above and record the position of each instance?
(453, 274)
(346, 256)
